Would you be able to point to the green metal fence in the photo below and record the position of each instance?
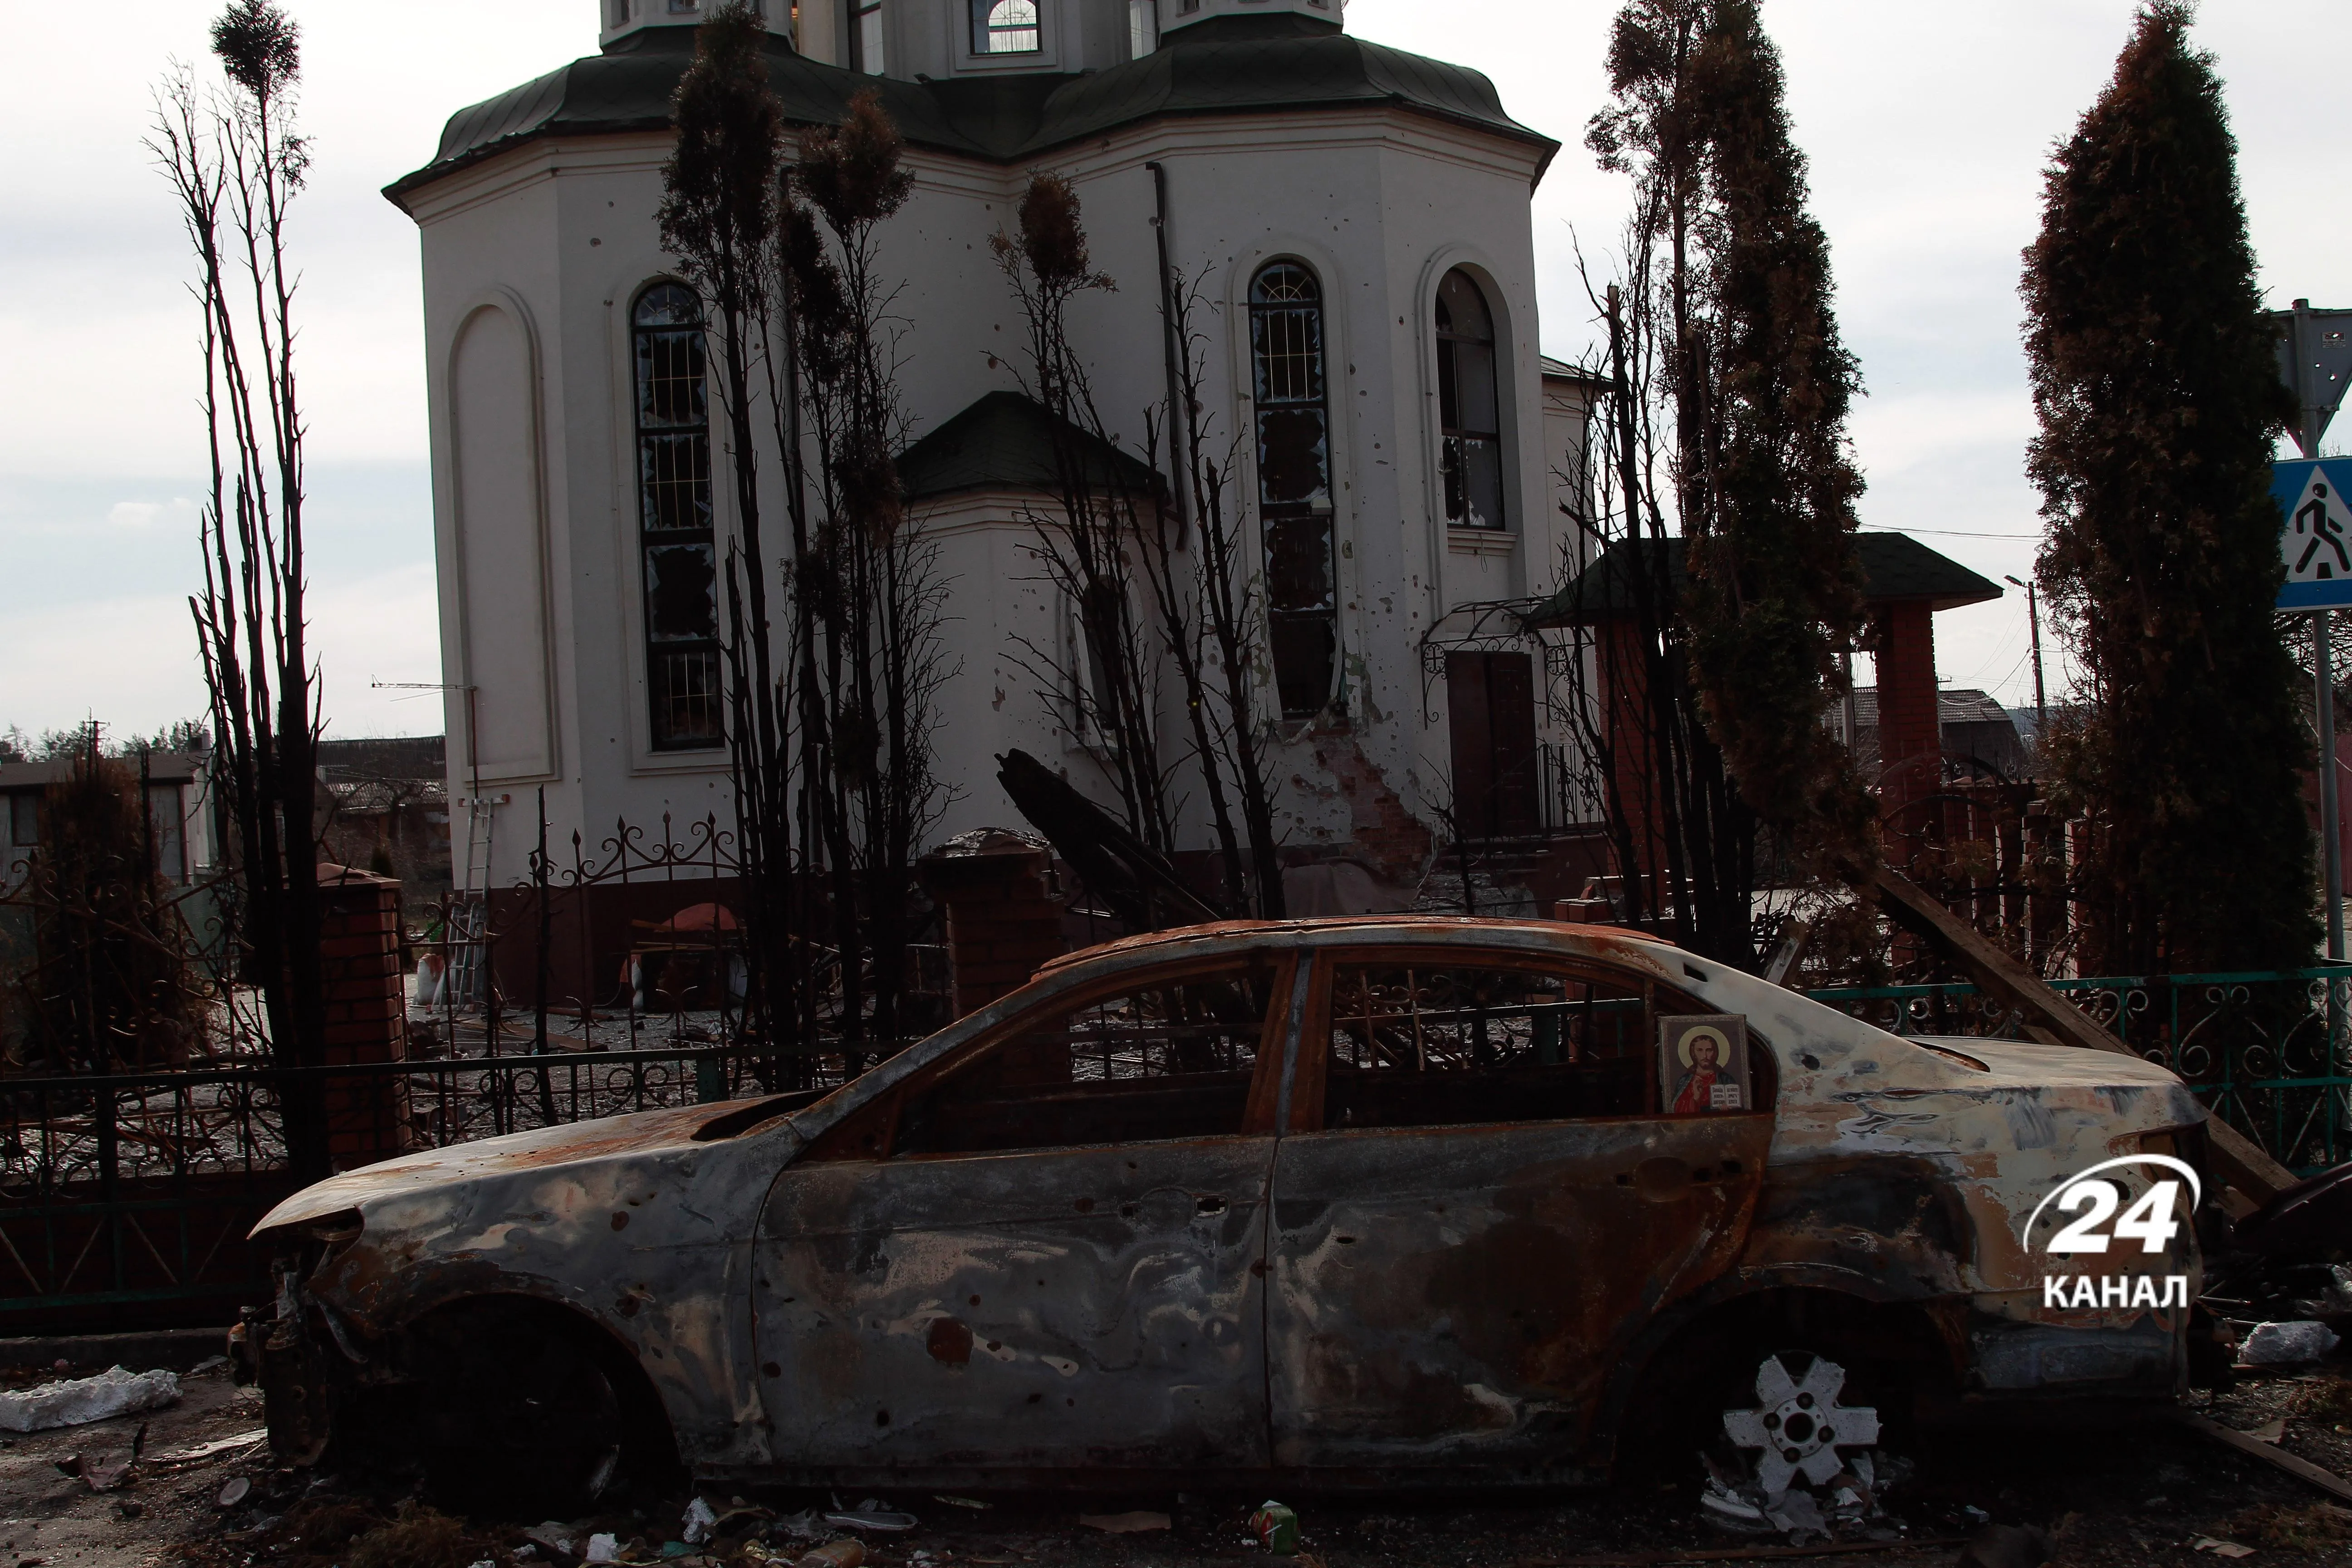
(2269, 1051)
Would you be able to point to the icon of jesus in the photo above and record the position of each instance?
(1695, 1090)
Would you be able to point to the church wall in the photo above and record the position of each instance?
(1378, 205)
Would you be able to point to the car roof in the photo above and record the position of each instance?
(1401, 929)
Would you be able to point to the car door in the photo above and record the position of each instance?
(1480, 1206)
(1046, 1253)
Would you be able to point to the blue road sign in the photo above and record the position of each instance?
(2315, 500)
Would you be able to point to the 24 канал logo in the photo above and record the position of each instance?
(2107, 1219)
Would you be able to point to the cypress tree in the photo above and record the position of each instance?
(1775, 591)
(2154, 375)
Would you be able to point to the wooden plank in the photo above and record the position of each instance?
(2270, 1453)
(2241, 1162)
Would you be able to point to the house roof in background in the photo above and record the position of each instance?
(1894, 567)
(1954, 705)
(1225, 65)
(1006, 441)
(162, 767)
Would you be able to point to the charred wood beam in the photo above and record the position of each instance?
(1141, 887)
(2055, 1021)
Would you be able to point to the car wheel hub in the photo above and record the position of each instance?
(1799, 1426)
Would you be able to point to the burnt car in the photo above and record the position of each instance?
(1365, 1201)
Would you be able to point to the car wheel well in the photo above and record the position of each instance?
(1898, 1353)
(650, 1444)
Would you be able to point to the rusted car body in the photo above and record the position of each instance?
(1366, 1200)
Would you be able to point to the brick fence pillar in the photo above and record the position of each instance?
(367, 1017)
(1002, 922)
(1910, 732)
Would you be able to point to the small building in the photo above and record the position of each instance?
(179, 802)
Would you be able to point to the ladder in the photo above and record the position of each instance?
(469, 911)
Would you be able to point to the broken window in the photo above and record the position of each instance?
(1294, 480)
(1004, 26)
(1472, 458)
(1414, 1046)
(165, 821)
(676, 548)
(1166, 1058)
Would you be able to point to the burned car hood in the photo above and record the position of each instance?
(541, 1150)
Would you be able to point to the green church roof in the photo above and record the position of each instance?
(1228, 66)
(1007, 441)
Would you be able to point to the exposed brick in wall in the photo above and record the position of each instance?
(1002, 919)
(1397, 843)
(359, 951)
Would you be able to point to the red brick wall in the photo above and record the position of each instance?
(1002, 922)
(367, 1017)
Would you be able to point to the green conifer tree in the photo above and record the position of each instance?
(1775, 593)
(2154, 379)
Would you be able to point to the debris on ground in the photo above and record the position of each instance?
(416, 1537)
(1276, 1527)
(2007, 1546)
(871, 1515)
(833, 1554)
(2220, 1548)
(1130, 1524)
(696, 1527)
(2311, 1528)
(74, 1401)
(2286, 1344)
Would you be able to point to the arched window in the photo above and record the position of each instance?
(673, 524)
(1294, 485)
(1467, 406)
(1004, 26)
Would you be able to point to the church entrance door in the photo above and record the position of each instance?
(1490, 701)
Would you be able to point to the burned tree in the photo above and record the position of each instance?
(236, 164)
(1087, 545)
(1727, 587)
(867, 579)
(719, 217)
(1202, 608)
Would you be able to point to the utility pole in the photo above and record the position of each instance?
(2034, 619)
(2315, 357)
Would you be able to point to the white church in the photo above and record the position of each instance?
(1362, 218)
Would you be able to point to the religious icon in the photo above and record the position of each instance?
(1702, 1063)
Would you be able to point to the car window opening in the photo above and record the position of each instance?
(1168, 1058)
(1414, 1046)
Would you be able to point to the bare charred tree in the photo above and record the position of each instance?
(236, 164)
(1088, 544)
(1223, 651)
(720, 216)
(869, 576)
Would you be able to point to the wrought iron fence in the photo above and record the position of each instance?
(132, 1195)
(2268, 1051)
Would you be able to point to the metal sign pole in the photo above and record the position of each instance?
(2331, 835)
(2314, 361)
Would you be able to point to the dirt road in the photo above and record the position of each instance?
(2122, 1498)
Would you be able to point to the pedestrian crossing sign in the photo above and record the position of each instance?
(2315, 500)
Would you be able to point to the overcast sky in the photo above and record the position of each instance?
(1927, 126)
